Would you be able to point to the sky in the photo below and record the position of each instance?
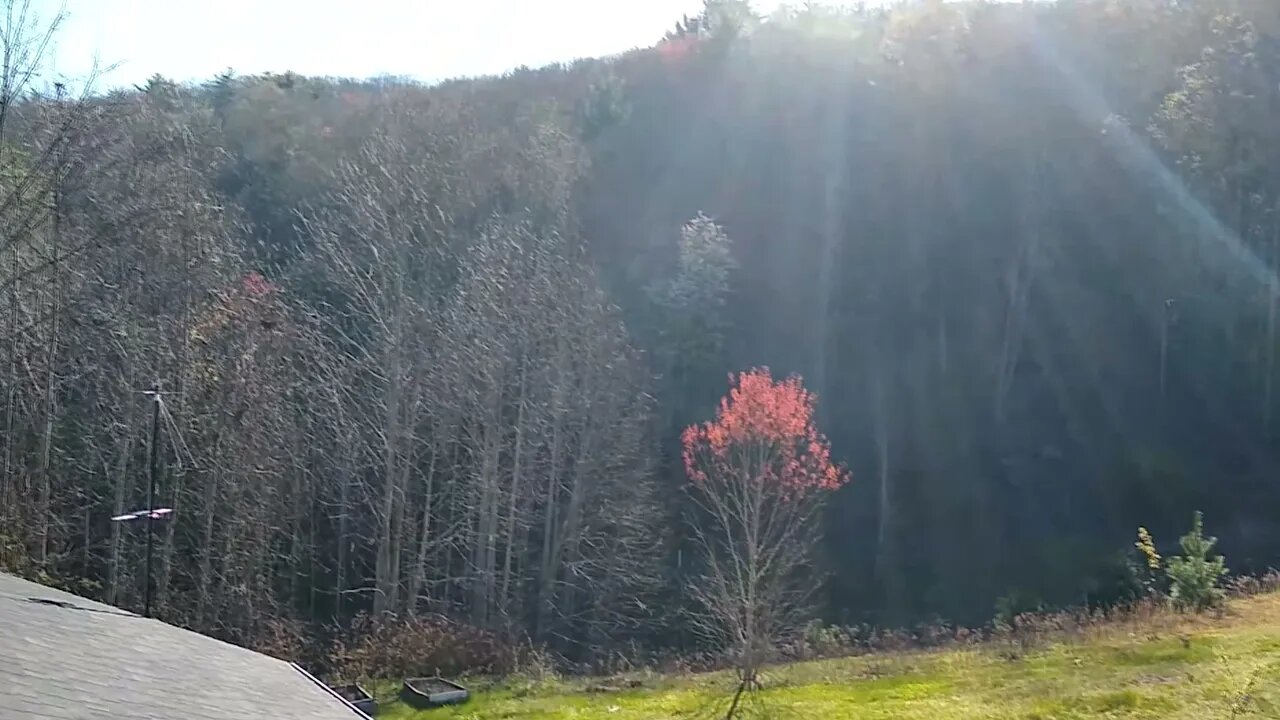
(192, 40)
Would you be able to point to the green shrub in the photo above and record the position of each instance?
(1194, 576)
(1013, 604)
(1119, 580)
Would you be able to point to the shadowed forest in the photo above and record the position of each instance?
(431, 349)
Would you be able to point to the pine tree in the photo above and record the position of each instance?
(1194, 576)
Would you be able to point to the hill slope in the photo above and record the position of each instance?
(1160, 667)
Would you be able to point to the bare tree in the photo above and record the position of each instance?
(380, 246)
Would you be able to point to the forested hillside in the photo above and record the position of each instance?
(431, 348)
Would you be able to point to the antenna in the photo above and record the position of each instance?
(150, 513)
(157, 514)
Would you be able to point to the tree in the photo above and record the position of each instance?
(723, 19)
(1010, 245)
(759, 472)
(1194, 575)
(726, 19)
(688, 320)
(1217, 124)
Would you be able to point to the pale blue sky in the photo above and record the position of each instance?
(426, 39)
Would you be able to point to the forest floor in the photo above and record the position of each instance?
(1161, 666)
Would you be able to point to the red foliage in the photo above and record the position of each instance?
(766, 426)
(675, 50)
(257, 286)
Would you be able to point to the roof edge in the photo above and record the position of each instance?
(359, 713)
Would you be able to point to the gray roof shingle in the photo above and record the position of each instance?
(89, 660)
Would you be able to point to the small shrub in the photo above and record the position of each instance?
(824, 641)
(537, 664)
(1013, 604)
(284, 638)
(1270, 581)
(1250, 585)
(1244, 586)
(1122, 579)
(935, 633)
(1032, 630)
(394, 646)
(1147, 547)
(892, 640)
(1148, 568)
(1194, 576)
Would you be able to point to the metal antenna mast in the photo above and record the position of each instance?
(151, 512)
(154, 464)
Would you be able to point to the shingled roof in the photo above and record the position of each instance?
(64, 657)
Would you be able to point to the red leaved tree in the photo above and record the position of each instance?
(759, 472)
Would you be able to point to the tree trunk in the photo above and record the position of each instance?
(344, 538)
(397, 529)
(418, 580)
(486, 529)
(883, 569)
(7, 502)
(1273, 295)
(510, 533)
(123, 487)
(46, 436)
(170, 534)
(204, 580)
(384, 599)
(550, 531)
(1017, 289)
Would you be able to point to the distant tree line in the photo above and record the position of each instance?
(431, 349)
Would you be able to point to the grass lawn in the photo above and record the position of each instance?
(1163, 667)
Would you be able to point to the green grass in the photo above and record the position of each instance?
(1165, 667)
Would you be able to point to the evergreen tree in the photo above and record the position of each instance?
(1194, 575)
